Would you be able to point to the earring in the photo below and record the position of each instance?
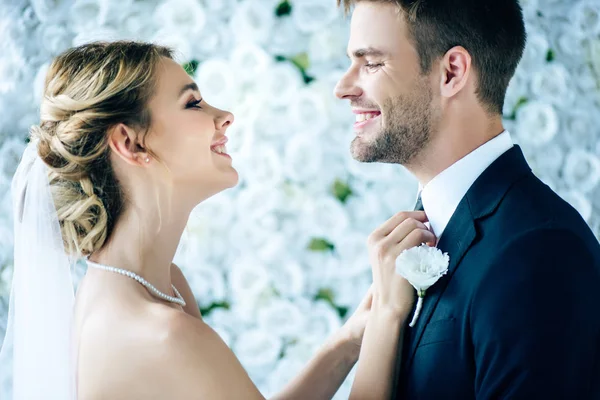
(147, 159)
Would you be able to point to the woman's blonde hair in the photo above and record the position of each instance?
(90, 89)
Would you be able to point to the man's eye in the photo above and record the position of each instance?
(373, 65)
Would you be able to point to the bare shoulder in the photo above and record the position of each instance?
(178, 279)
(157, 352)
(204, 365)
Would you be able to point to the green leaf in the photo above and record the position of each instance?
(320, 244)
(207, 310)
(520, 103)
(327, 295)
(191, 66)
(341, 190)
(550, 56)
(301, 61)
(283, 8)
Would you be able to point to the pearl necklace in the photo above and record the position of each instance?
(177, 300)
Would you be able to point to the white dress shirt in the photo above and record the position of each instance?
(443, 193)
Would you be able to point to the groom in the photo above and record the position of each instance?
(518, 314)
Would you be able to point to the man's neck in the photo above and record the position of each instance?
(447, 146)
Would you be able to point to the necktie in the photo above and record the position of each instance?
(419, 205)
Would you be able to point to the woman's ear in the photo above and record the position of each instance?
(124, 142)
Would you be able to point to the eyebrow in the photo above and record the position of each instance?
(189, 86)
(367, 51)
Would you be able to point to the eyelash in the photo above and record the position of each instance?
(373, 66)
(194, 104)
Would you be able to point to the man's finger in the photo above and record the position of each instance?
(388, 226)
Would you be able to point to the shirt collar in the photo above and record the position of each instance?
(443, 193)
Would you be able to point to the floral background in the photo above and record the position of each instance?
(278, 262)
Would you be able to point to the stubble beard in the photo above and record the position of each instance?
(406, 130)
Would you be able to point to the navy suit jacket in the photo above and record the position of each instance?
(517, 316)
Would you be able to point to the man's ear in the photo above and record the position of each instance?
(455, 69)
(123, 140)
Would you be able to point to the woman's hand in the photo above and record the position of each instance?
(391, 292)
(354, 328)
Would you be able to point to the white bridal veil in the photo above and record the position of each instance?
(36, 357)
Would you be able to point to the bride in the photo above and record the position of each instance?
(126, 148)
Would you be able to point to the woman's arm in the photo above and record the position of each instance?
(393, 298)
(328, 369)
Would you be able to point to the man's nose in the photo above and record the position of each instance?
(347, 88)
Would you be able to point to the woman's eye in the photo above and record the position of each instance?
(194, 104)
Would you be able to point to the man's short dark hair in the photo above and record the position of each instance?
(492, 31)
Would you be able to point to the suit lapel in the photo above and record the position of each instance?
(456, 240)
(481, 200)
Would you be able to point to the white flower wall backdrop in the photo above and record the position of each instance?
(278, 262)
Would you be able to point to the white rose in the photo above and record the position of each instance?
(348, 292)
(136, 23)
(224, 320)
(585, 17)
(39, 81)
(352, 250)
(314, 15)
(537, 123)
(217, 82)
(594, 57)
(281, 317)
(286, 39)
(536, 50)
(88, 15)
(262, 167)
(10, 155)
(581, 126)
(288, 277)
(579, 201)
(286, 370)
(12, 63)
(248, 277)
(326, 217)
(308, 111)
(551, 83)
(176, 40)
(207, 283)
(255, 203)
(582, 170)
(322, 321)
(215, 40)
(367, 209)
(55, 38)
(103, 33)
(249, 61)
(568, 42)
(257, 348)
(252, 21)
(279, 84)
(185, 16)
(304, 158)
(51, 10)
(546, 161)
(329, 44)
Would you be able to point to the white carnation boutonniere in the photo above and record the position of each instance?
(422, 266)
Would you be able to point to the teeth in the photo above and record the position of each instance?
(365, 117)
(220, 149)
